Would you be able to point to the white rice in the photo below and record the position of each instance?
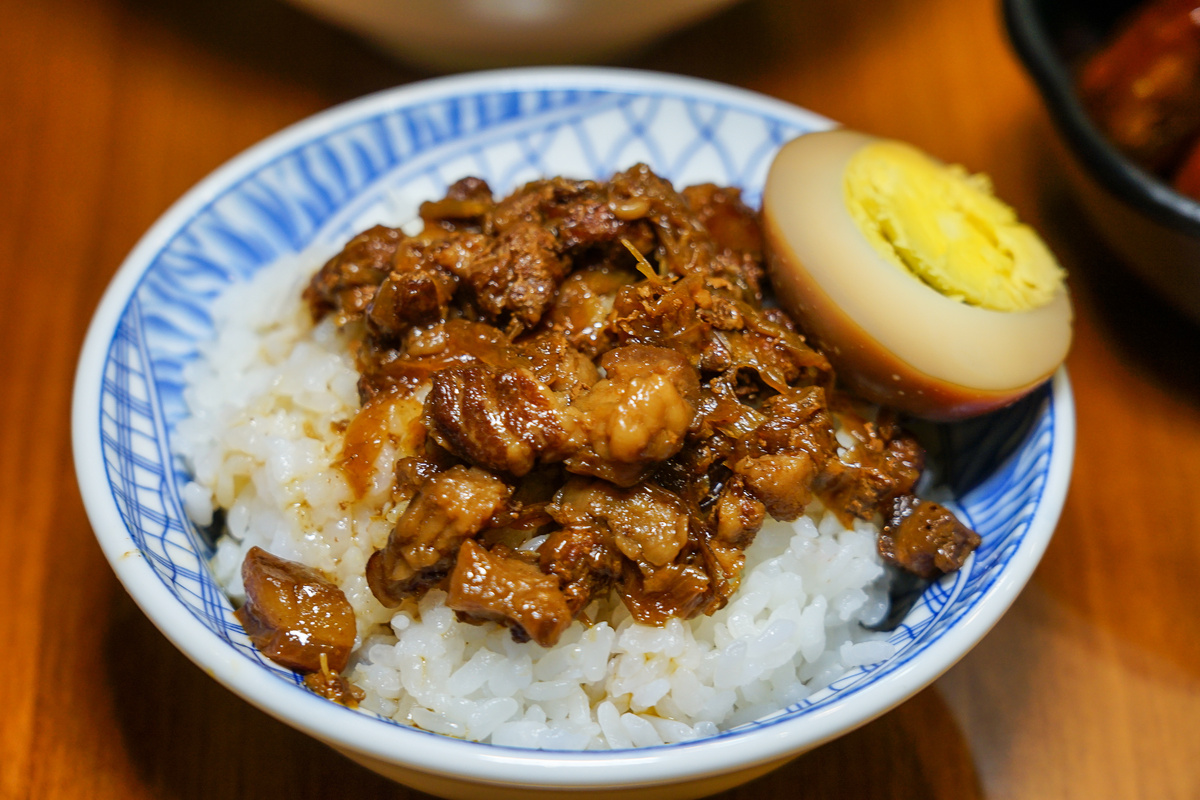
(267, 398)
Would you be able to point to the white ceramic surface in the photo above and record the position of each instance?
(374, 160)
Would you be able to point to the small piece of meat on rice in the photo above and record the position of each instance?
(700, 318)
(583, 304)
(662, 573)
(646, 523)
(335, 687)
(661, 314)
(555, 362)
(579, 214)
(738, 516)
(637, 416)
(500, 586)
(797, 419)
(732, 224)
(516, 276)
(779, 460)
(347, 282)
(925, 538)
(421, 284)
(884, 465)
(780, 357)
(507, 421)
(585, 563)
(294, 615)
(448, 509)
(586, 220)
(684, 245)
(412, 298)
(466, 203)
(681, 589)
(537, 201)
(782, 482)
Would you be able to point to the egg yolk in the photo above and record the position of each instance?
(944, 227)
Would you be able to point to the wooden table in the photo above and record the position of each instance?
(110, 109)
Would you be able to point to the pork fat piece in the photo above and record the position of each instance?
(294, 615)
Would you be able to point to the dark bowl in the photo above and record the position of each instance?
(1152, 228)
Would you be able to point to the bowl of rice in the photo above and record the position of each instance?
(204, 392)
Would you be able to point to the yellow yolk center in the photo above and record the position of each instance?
(944, 227)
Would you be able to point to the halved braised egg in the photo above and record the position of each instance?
(925, 291)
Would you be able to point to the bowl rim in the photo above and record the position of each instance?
(1146, 192)
(345, 729)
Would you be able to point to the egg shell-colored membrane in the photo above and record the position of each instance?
(891, 338)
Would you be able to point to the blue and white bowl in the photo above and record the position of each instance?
(375, 159)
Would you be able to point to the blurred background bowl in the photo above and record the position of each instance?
(1151, 227)
(447, 35)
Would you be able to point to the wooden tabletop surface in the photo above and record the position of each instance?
(110, 109)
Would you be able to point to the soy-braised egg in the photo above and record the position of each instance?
(925, 290)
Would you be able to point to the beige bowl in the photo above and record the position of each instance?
(448, 35)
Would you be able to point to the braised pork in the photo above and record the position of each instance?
(925, 538)
(447, 510)
(294, 615)
(499, 585)
(598, 368)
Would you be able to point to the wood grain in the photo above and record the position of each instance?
(110, 109)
